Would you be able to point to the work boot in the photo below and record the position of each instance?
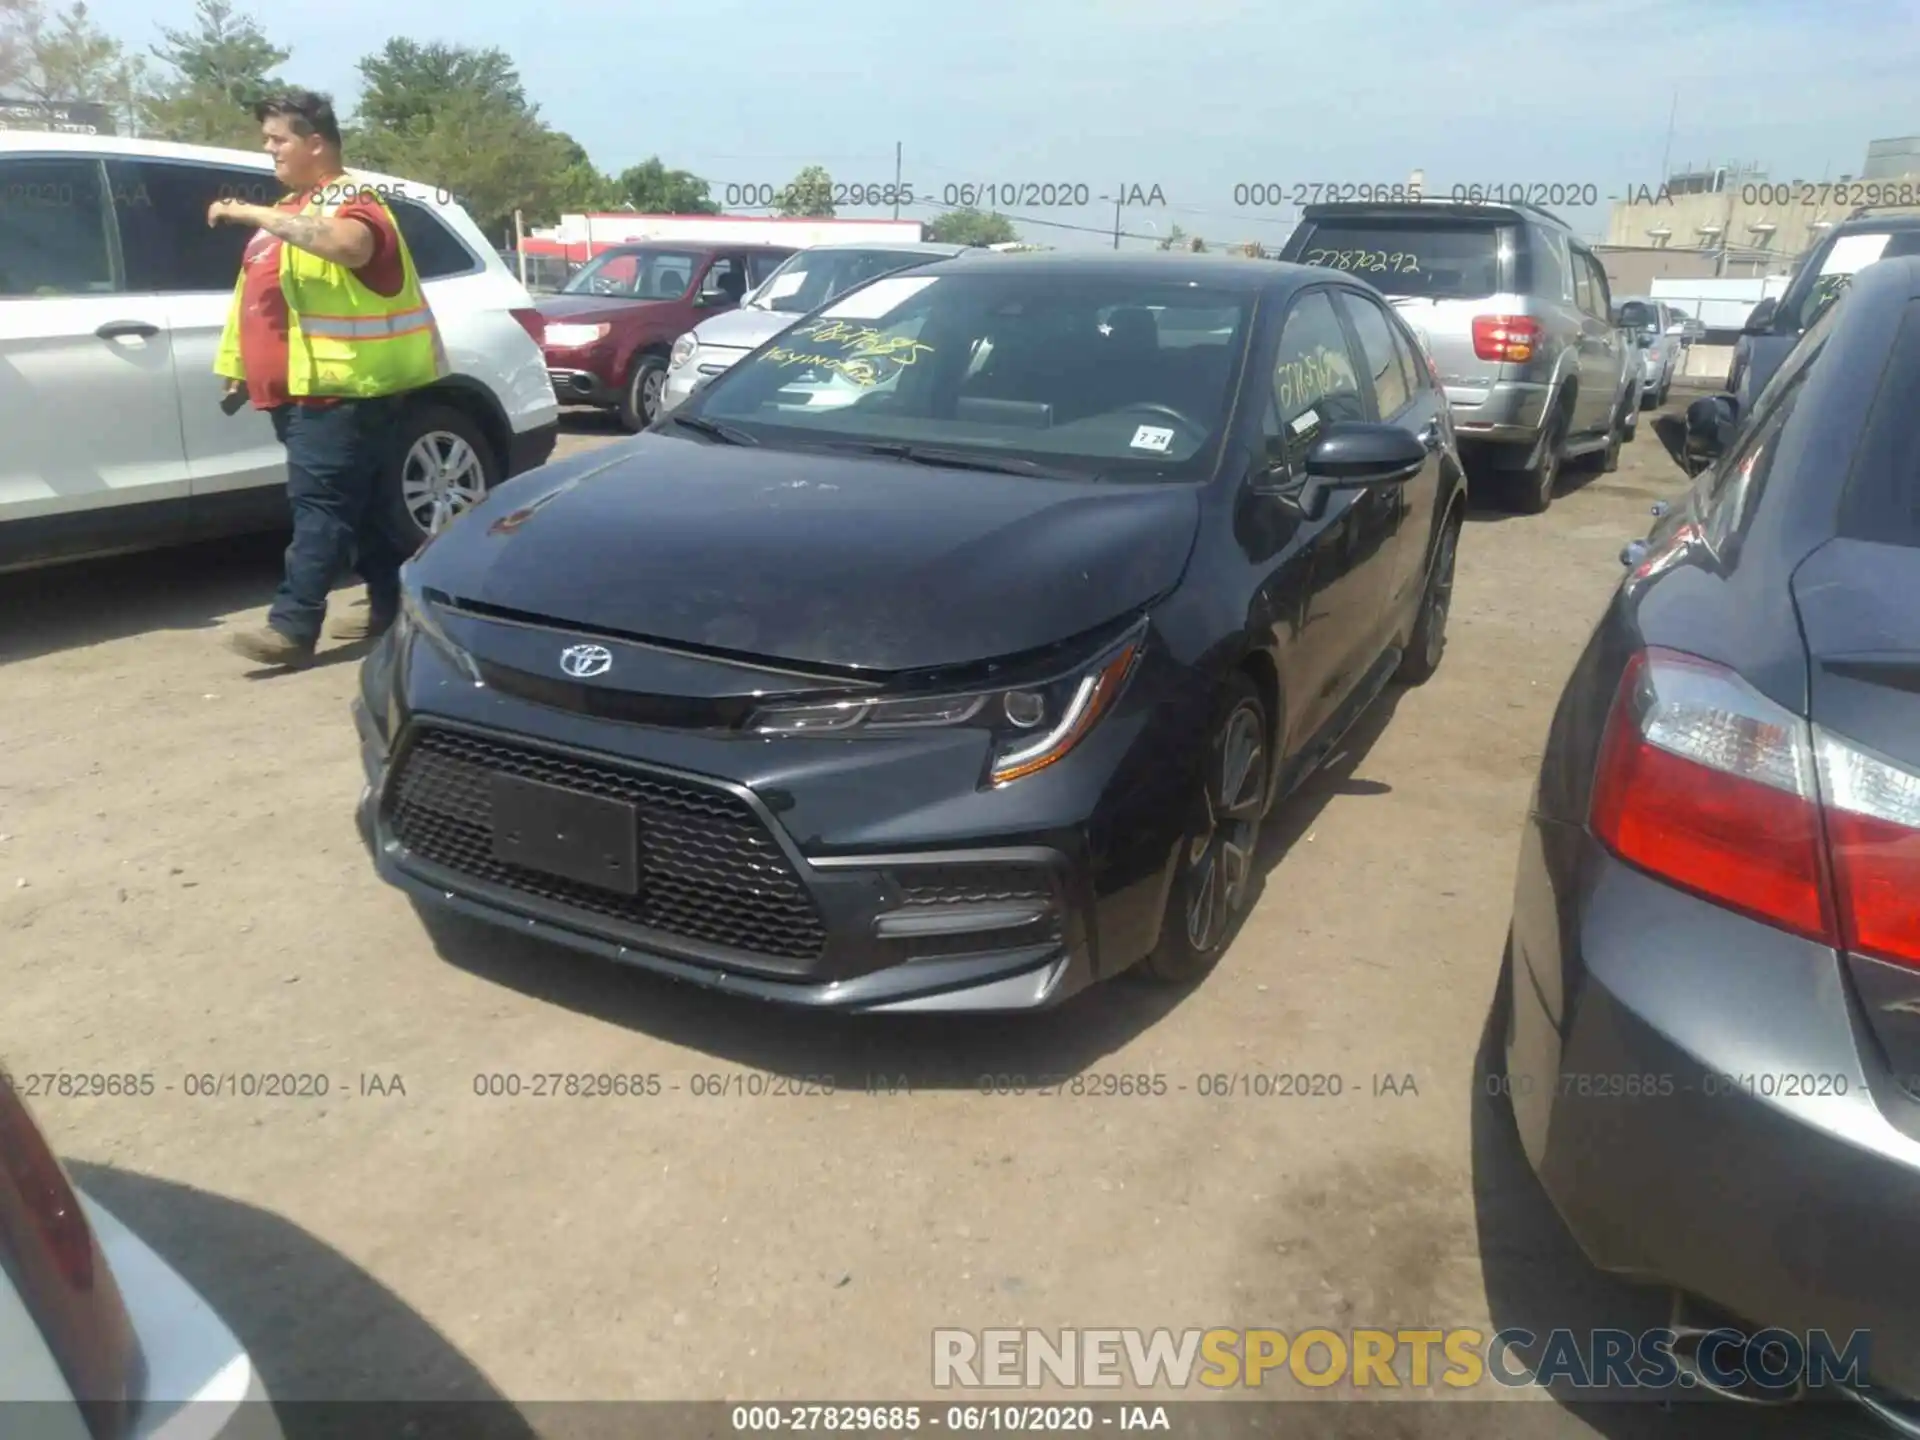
(363, 624)
(267, 646)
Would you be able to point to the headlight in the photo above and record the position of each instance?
(1033, 726)
(572, 337)
(417, 613)
(683, 349)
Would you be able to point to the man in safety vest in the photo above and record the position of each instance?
(328, 330)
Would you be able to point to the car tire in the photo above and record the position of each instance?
(440, 460)
(1214, 868)
(1624, 423)
(1531, 490)
(640, 400)
(1429, 641)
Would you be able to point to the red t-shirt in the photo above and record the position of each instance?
(263, 305)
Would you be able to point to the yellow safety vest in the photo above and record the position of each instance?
(342, 338)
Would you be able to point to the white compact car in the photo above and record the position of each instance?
(113, 295)
(101, 1339)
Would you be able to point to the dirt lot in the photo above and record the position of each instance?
(182, 894)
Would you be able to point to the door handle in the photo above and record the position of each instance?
(122, 329)
(1430, 434)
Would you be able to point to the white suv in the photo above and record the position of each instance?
(113, 295)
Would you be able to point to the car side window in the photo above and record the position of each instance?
(727, 274)
(1315, 383)
(1582, 284)
(759, 267)
(165, 242)
(1550, 277)
(1391, 390)
(1737, 484)
(437, 252)
(53, 228)
(1602, 292)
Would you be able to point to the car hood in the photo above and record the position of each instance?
(587, 307)
(745, 329)
(817, 560)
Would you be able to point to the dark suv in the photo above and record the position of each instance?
(610, 329)
(1775, 326)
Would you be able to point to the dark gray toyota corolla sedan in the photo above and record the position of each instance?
(946, 652)
(1713, 988)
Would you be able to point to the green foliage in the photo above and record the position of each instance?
(971, 227)
(809, 194)
(652, 189)
(220, 68)
(64, 55)
(405, 82)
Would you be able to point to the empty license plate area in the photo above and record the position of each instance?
(568, 833)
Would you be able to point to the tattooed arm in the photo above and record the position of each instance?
(344, 241)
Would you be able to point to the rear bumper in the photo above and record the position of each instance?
(530, 449)
(1662, 1046)
(1509, 413)
(201, 1383)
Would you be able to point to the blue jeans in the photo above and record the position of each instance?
(337, 462)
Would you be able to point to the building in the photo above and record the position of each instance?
(1892, 159)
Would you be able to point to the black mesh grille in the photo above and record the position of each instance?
(709, 871)
(933, 887)
(973, 884)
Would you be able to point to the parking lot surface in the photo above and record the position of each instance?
(793, 1202)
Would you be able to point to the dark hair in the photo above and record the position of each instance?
(306, 112)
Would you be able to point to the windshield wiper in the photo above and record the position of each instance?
(966, 460)
(725, 434)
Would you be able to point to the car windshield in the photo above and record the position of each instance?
(1116, 375)
(1639, 315)
(1849, 255)
(1412, 258)
(810, 279)
(638, 274)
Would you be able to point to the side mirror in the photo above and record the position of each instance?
(1351, 455)
(1760, 322)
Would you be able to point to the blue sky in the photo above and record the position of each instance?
(1196, 96)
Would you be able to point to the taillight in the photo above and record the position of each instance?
(533, 322)
(1505, 337)
(1873, 831)
(49, 1252)
(1710, 786)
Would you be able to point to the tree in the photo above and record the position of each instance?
(65, 56)
(220, 68)
(1174, 239)
(406, 82)
(808, 194)
(968, 226)
(652, 189)
(580, 187)
(1252, 249)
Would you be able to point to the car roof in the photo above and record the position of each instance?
(1874, 224)
(1508, 212)
(903, 247)
(1241, 274)
(697, 246)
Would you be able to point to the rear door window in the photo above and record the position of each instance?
(53, 228)
(1440, 261)
(1391, 387)
(1846, 257)
(437, 252)
(1883, 496)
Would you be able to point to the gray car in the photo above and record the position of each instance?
(1711, 1000)
(807, 280)
(1517, 315)
(1660, 336)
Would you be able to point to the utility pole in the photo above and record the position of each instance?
(1666, 156)
(896, 179)
(1116, 222)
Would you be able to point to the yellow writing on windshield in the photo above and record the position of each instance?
(1309, 378)
(865, 342)
(860, 372)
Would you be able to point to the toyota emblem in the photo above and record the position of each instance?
(583, 662)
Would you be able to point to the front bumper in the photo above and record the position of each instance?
(1699, 1099)
(1510, 412)
(580, 387)
(685, 380)
(914, 902)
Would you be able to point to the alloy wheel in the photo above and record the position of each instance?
(441, 477)
(649, 386)
(1440, 596)
(1220, 857)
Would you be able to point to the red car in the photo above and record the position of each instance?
(611, 327)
